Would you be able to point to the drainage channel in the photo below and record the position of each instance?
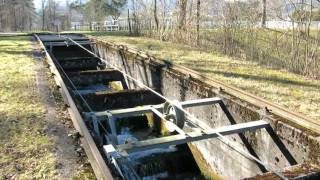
(138, 134)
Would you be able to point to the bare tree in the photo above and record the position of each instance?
(15, 15)
(136, 22)
(68, 15)
(231, 27)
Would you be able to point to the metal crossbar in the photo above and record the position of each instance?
(121, 113)
(191, 137)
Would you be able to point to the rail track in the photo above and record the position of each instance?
(136, 133)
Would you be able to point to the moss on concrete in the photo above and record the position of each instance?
(204, 167)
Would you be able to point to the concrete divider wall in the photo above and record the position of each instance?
(303, 145)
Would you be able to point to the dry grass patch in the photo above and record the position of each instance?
(26, 152)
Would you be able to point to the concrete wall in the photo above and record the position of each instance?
(304, 145)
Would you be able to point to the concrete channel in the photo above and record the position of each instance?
(130, 132)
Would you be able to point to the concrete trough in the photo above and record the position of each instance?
(89, 78)
(289, 140)
(80, 64)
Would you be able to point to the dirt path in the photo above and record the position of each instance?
(69, 155)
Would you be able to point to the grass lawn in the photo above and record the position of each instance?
(290, 90)
(26, 152)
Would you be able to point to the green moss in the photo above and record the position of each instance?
(150, 119)
(163, 129)
(116, 86)
(157, 124)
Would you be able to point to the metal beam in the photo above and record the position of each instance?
(145, 109)
(200, 102)
(191, 137)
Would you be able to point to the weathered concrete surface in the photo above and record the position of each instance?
(302, 143)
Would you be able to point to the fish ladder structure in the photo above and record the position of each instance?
(131, 130)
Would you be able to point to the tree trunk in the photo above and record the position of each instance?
(23, 21)
(155, 14)
(14, 20)
(264, 13)
(190, 10)
(136, 25)
(129, 23)
(43, 13)
(30, 23)
(182, 14)
(198, 22)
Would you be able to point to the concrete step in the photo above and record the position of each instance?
(106, 100)
(83, 79)
(80, 64)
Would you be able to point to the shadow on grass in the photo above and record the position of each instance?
(12, 39)
(15, 52)
(11, 46)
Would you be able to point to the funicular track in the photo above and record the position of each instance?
(136, 133)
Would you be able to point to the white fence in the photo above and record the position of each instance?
(289, 25)
(149, 24)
